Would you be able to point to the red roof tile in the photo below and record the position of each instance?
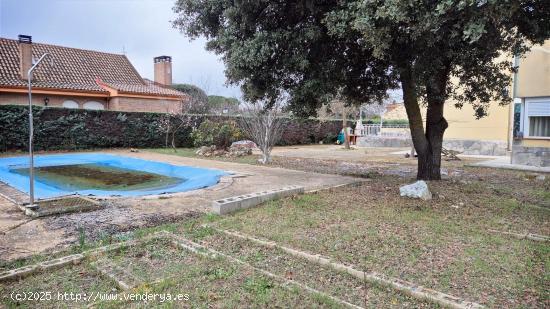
(76, 69)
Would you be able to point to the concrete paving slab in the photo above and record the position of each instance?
(504, 162)
(10, 215)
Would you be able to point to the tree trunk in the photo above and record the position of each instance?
(427, 144)
(344, 125)
(381, 123)
(429, 163)
(266, 157)
(174, 141)
(436, 124)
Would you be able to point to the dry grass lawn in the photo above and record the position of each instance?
(445, 244)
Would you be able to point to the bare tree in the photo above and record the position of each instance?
(165, 126)
(264, 125)
(175, 120)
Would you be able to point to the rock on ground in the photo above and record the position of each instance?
(418, 189)
(206, 151)
(236, 150)
(241, 148)
(243, 144)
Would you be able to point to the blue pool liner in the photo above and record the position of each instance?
(195, 177)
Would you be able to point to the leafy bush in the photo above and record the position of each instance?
(220, 134)
(307, 131)
(218, 104)
(388, 121)
(198, 103)
(330, 138)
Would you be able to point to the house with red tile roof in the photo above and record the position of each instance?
(86, 79)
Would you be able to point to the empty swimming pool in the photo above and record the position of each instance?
(102, 174)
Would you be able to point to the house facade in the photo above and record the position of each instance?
(522, 128)
(83, 79)
(530, 120)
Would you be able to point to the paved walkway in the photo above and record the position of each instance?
(504, 162)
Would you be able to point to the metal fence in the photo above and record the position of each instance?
(376, 130)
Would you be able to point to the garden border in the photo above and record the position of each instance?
(176, 240)
(412, 289)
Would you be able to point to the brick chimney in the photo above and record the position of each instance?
(163, 70)
(25, 55)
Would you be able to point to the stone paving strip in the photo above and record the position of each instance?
(13, 195)
(50, 264)
(124, 279)
(409, 288)
(340, 186)
(324, 278)
(186, 244)
(530, 236)
(69, 259)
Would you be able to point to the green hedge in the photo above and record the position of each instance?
(388, 122)
(74, 129)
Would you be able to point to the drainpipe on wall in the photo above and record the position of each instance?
(511, 110)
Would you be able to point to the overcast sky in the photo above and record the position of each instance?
(141, 28)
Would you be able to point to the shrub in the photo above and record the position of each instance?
(72, 129)
(330, 138)
(388, 121)
(220, 134)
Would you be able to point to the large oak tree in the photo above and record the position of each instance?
(316, 50)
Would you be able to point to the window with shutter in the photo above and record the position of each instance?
(538, 116)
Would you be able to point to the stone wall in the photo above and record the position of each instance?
(377, 141)
(534, 156)
(475, 147)
(469, 147)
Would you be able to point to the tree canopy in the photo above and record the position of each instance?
(199, 99)
(315, 50)
(219, 103)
